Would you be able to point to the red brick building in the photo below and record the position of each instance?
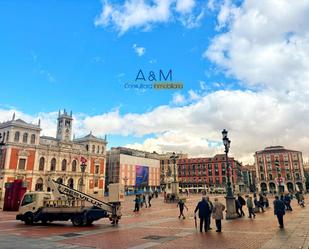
(33, 158)
(207, 172)
(279, 169)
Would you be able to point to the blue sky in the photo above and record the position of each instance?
(57, 56)
(244, 68)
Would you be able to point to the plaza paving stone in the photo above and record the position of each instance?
(159, 227)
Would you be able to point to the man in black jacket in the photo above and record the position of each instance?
(279, 210)
(242, 203)
(203, 213)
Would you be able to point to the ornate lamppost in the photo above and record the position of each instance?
(230, 200)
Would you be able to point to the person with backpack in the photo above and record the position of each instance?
(250, 207)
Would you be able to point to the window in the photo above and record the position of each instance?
(223, 180)
(28, 199)
(297, 176)
(262, 177)
(93, 149)
(53, 164)
(102, 151)
(32, 139)
(64, 165)
(87, 147)
(16, 137)
(22, 163)
(96, 182)
(74, 163)
(97, 167)
(216, 172)
(41, 163)
(98, 149)
(3, 138)
(25, 137)
(270, 176)
(7, 136)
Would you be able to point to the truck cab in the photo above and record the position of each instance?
(31, 203)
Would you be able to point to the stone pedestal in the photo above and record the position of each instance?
(175, 188)
(230, 208)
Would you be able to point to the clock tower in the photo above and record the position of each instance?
(64, 126)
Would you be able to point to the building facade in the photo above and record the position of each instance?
(136, 170)
(199, 173)
(33, 158)
(279, 169)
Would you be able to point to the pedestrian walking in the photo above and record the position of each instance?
(237, 207)
(297, 196)
(181, 204)
(145, 200)
(265, 201)
(217, 214)
(279, 210)
(203, 213)
(287, 202)
(301, 201)
(149, 199)
(210, 211)
(258, 205)
(242, 203)
(137, 203)
(250, 207)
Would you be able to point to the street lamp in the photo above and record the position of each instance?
(230, 200)
(83, 168)
(227, 144)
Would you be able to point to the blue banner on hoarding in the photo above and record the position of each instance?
(142, 176)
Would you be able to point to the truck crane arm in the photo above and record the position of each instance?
(60, 189)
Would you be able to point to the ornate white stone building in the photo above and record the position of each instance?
(27, 155)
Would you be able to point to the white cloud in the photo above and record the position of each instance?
(140, 51)
(193, 95)
(185, 6)
(142, 14)
(263, 47)
(178, 99)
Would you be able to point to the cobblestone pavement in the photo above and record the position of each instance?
(159, 227)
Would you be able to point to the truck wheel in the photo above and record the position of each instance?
(77, 221)
(89, 222)
(28, 218)
(44, 222)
